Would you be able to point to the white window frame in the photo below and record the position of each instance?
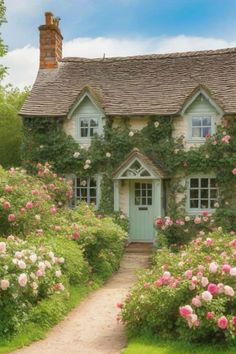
(75, 200)
(201, 116)
(88, 117)
(199, 188)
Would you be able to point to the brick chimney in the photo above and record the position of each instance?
(50, 42)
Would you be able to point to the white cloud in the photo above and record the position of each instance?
(23, 62)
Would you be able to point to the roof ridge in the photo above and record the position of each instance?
(153, 56)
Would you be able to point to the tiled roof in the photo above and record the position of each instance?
(139, 85)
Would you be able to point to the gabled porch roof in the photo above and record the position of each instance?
(136, 166)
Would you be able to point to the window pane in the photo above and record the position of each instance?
(84, 132)
(204, 182)
(213, 182)
(194, 204)
(144, 193)
(196, 122)
(93, 192)
(194, 182)
(206, 121)
(194, 193)
(204, 204)
(213, 193)
(137, 185)
(204, 193)
(149, 201)
(206, 131)
(196, 132)
(144, 202)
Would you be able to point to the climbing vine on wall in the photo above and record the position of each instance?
(45, 140)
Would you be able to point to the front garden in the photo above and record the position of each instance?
(50, 256)
(187, 299)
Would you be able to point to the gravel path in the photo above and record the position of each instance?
(91, 328)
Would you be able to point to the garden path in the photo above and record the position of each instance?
(92, 328)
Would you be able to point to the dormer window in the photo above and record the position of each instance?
(201, 127)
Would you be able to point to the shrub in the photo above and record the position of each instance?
(190, 293)
(28, 274)
(75, 268)
(100, 238)
(179, 231)
(29, 204)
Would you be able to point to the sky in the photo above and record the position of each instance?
(115, 27)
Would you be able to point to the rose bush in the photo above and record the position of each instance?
(28, 274)
(28, 204)
(190, 293)
(175, 232)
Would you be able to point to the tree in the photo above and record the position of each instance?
(11, 132)
(3, 48)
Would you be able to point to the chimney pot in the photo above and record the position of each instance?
(49, 18)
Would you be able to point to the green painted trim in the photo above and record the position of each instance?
(116, 195)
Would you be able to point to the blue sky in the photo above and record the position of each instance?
(119, 18)
(116, 27)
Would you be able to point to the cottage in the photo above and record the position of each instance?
(196, 89)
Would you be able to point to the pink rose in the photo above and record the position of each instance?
(209, 241)
(226, 139)
(206, 296)
(226, 268)
(213, 267)
(197, 220)
(212, 288)
(119, 305)
(22, 279)
(210, 315)
(6, 205)
(8, 189)
(11, 217)
(234, 171)
(159, 221)
(234, 320)
(166, 276)
(158, 283)
(75, 235)
(196, 302)
(53, 210)
(185, 311)
(222, 322)
(29, 205)
(189, 273)
(4, 284)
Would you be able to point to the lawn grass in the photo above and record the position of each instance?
(48, 313)
(150, 345)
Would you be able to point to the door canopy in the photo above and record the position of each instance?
(138, 166)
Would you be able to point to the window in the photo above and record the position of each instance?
(88, 127)
(85, 189)
(203, 193)
(201, 127)
(143, 194)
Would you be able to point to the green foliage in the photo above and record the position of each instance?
(11, 133)
(180, 279)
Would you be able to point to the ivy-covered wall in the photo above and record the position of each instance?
(45, 140)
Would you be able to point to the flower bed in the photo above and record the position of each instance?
(190, 293)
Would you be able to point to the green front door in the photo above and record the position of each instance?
(142, 211)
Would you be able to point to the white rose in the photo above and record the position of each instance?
(156, 124)
(21, 264)
(86, 167)
(88, 162)
(233, 272)
(108, 154)
(131, 134)
(76, 154)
